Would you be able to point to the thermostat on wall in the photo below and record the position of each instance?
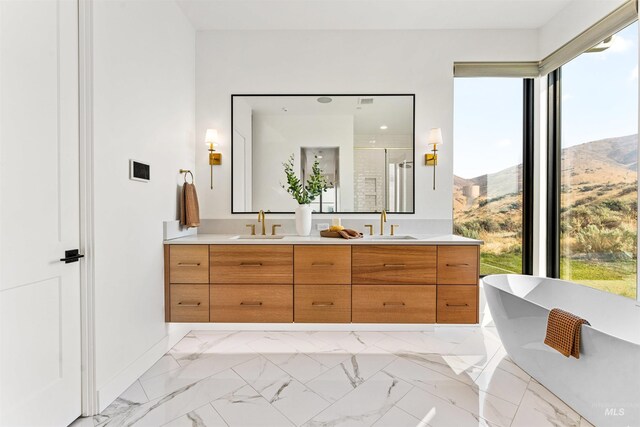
(139, 171)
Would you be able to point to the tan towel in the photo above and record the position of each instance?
(350, 234)
(563, 332)
(189, 209)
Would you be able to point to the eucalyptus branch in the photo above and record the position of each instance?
(304, 193)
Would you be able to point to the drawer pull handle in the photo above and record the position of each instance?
(322, 264)
(188, 264)
(251, 303)
(457, 305)
(189, 304)
(322, 304)
(393, 304)
(251, 264)
(457, 265)
(395, 265)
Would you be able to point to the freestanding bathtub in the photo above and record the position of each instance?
(604, 384)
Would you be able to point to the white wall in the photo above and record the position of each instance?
(144, 98)
(419, 62)
(278, 136)
(572, 20)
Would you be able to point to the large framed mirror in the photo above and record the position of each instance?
(363, 143)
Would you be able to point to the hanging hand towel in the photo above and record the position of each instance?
(563, 332)
(189, 209)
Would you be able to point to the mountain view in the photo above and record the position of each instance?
(598, 215)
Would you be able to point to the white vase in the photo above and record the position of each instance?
(303, 220)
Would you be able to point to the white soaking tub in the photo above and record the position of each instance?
(604, 384)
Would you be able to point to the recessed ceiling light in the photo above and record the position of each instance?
(372, 141)
(384, 127)
(319, 157)
(324, 100)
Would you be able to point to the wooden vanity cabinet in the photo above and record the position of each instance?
(340, 283)
(186, 278)
(322, 283)
(458, 276)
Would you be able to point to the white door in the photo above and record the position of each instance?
(39, 213)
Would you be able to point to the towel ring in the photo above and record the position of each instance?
(185, 172)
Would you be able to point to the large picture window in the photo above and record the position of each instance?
(598, 148)
(491, 138)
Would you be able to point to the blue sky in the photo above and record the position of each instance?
(600, 100)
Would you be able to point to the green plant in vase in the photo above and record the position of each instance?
(304, 193)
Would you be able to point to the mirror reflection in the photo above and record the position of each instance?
(364, 144)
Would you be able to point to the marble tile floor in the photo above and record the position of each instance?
(453, 376)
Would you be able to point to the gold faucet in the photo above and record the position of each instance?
(261, 219)
(383, 219)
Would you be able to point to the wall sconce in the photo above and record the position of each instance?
(431, 159)
(215, 159)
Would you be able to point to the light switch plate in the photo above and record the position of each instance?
(322, 226)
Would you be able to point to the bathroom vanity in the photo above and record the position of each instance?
(425, 279)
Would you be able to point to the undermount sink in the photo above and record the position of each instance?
(257, 237)
(403, 237)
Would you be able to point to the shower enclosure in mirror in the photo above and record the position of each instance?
(364, 145)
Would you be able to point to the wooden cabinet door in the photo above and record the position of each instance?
(251, 264)
(388, 265)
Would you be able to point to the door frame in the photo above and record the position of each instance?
(89, 395)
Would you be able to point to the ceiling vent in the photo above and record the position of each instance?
(365, 101)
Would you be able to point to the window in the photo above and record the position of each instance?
(598, 148)
(492, 133)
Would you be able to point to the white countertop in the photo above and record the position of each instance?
(231, 239)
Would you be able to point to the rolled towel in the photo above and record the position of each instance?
(563, 332)
(189, 208)
(350, 234)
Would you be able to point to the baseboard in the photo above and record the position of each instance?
(357, 327)
(122, 381)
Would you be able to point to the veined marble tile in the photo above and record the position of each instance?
(289, 396)
(364, 405)
(299, 365)
(83, 422)
(199, 344)
(502, 361)
(349, 374)
(465, 396)
(351, 342)
(540, 407)
(426, 342)
(504, 384)
(167, 408)
(435, 412)
(440, 364)
(135, 393)
(165, 364)
(205, 416)
(396, 417)
(198, 369)
(585, 423)
(246, 407)
(479, 342)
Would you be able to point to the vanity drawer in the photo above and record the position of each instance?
(393, 304)
(458, 304)
(322, 303)
(389, 265)
(252, 264)
(189, 303)
(458, 265)
(322, 264)
(189, 264)
(252, 303)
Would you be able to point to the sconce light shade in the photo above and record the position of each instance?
(435, 136)
(211, 136)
